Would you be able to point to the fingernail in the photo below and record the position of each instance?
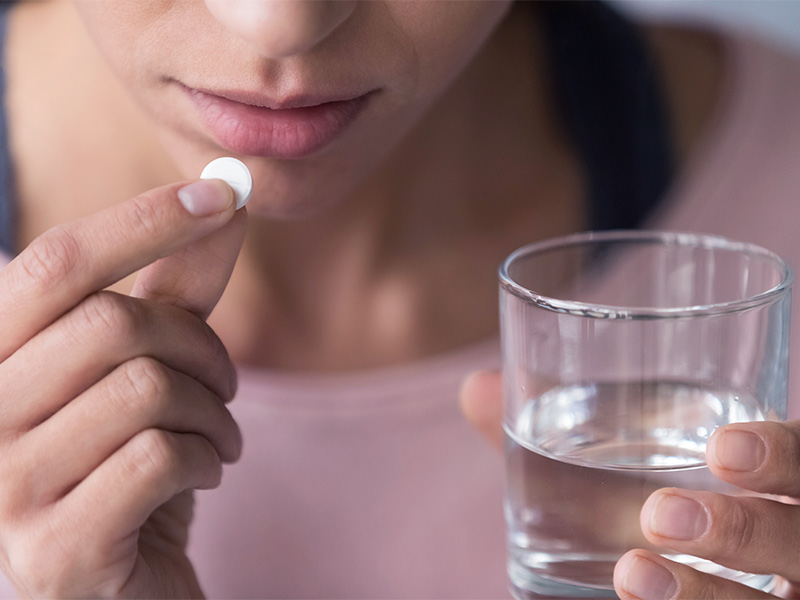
(678, 518)
(206, 197)
(649, 581)
(739, 450)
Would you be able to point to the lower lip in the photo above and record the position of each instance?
(275, 133)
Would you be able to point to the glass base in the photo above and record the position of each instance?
(545, 588)
(525, 584)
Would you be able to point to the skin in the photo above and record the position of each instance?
(120, 275)
(150, 416)
(139, 418)
(523, 180)
(754, 535)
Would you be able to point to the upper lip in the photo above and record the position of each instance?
(289, 101)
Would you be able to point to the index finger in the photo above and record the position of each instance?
(760, 456)
(481, 399)
(73, 260)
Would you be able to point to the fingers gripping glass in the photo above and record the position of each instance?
(623, 351)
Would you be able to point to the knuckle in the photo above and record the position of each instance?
(144, 382)
(50, 258)
(740, 529)
(704, 589)
(789, 454)
(143, 218)
(155, 456)
(108, 316)
(152, 454)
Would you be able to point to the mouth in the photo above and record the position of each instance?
(292, 128)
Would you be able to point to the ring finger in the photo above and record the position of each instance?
(87, 343)
(643, 575)
(138, 395)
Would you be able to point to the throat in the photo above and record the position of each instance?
(336, 323)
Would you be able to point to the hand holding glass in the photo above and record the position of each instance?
(623, 352)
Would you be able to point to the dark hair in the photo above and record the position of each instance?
(609, 92)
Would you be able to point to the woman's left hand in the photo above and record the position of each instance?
(754, 535)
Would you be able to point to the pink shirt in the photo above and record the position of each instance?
(355, 486)
(373, 485)
(743, 181)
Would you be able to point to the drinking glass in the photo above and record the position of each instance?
(622, 352)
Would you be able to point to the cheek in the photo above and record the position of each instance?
(446, 35)
(114, 25)
(130, 32)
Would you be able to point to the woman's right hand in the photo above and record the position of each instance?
(112, 407)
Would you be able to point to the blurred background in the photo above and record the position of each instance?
(778, 20)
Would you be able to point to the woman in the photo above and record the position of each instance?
(399, 151)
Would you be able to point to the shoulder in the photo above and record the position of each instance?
(743, 160)
(691, 64)
(752, 139)
(741, 179)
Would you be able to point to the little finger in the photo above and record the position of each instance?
(642, 575)
(140, 394)
(107, 508)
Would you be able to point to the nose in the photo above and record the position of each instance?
(281, 28)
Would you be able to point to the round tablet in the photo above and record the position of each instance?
(233, 172)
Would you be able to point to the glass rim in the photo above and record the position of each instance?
(675, 238)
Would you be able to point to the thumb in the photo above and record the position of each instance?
(481, 400)
(194, 277)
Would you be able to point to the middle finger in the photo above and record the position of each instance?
(140, 394)
(87, 343)
(754, 535)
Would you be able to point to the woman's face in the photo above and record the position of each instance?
(310, 94)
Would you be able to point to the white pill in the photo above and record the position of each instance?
(233, 172)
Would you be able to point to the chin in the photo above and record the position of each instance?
(283, 194)
(295, 209)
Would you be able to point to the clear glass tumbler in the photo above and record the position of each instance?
(623, 351)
